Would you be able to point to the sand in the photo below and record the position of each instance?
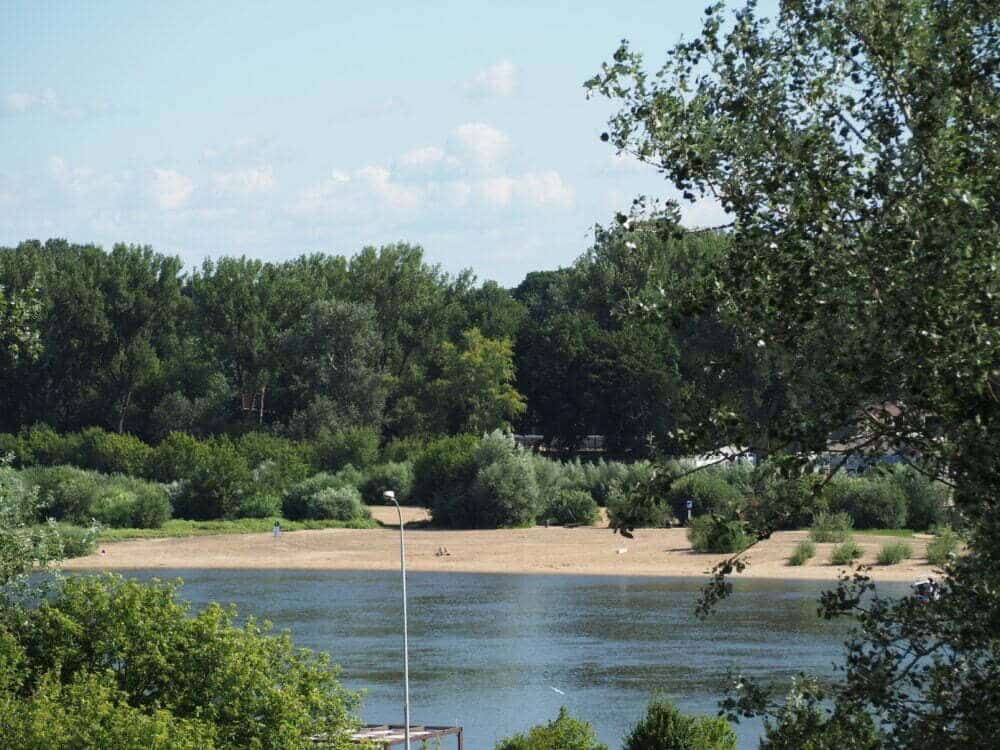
(574, 551)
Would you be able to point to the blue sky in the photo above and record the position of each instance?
(273, 129)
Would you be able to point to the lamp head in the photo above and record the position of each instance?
(390, 496)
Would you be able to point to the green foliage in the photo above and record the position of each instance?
(942, 549)
(277, 462)
(504, 494)
(324, 496)
(871, 504)
(176, 457)
(73, 541)
(357, 446)
(133, 651)
(894, 553)
(109, 453)
(845, 553)
(926, 500)
(177, 528)
(802, 724)
(637, 506)
(126, 502)
(831, 527)
(446, 467)
(717, 534)
(66, 493)
(665, 728)
(804, 551)
(601, 478)
(260, 506)
(570, 507)
(401, 449)
(562, 733)
(397, 477)
(217, 484)
(709, 490)
(41, 444)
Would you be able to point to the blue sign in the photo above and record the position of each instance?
(690, 504)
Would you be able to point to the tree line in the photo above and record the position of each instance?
(128, 340)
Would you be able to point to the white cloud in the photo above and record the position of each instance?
(79, 180)
(20, 102)
(532, 190)
(499, 79)
(245, 181)
(497, 191)
(169, 189)
(543, 189)
(482, 144)
(379, 181)
(357, 193)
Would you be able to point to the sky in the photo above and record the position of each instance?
(277, 129)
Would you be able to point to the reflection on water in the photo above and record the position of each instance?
(486, 651)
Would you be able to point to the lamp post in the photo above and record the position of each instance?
(390, 496)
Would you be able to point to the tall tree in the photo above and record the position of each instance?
(855, 148)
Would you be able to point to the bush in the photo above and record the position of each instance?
(943, 547)
(717, 534)
(176, 457)
(277, 462)
(403, 449)
(831, 527)
(871, 503)
(41, 445)
(446, 467)
(552, 477)
(788, 503)
(709, 491)
(260, 506)
(926, 500)
(571, 507)
(563, 733)
(637, 507)
(665, 728)
(397, 477)
(300, 502)
(110, 453)
(357, 446)
(602, 478)
(804, 550)
(504, 495)
(65, 493)
(336, 504)
(217, 485)
(846, 553)
(128, 502)
(76, 541)
(894, 553)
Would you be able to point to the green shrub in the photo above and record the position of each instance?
(804, 550)
(846, 553)
(717, 534)
(43, 446)
(217, 485)
(12, 448)
(504, 494)
(65, 493)
(336, 504)
(277, 462)
(403, 449)
(787, 502)
(110, 453)
(76, 541)
(260, 506)
(446, 467)
(114, 508)
(176, 457)
(571, 507)
(602, 477)
(551, 476)
(563, 733)
(397, 477)
(831, 527)
(943, 547)
(357, 446)
(710, 493)
(665, 728)
(637, 506)
(299, 503)
(894, 553)
(926, 500)
(871, 503)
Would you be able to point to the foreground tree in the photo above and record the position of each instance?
(855, 147)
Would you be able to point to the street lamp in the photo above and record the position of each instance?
(390, 496)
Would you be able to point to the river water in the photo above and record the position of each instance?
(499, 653)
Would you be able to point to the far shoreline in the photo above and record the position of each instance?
(581, 551)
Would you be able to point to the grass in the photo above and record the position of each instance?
(943, 546)
(831, 527)
(805, 550)
(181, 528)
(905, 533)
(894, 553)
(846, 553)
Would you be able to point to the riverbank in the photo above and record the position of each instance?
(577, 551)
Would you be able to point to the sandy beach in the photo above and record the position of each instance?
(576, 551)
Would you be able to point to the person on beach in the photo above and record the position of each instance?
(276, 530)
